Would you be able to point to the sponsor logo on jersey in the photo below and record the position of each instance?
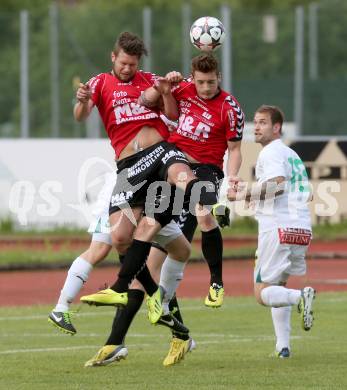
(132, 111)
(145, 162)
(173, 153)
(121, 198)
(206, 115)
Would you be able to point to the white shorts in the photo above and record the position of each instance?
(275, 261)
(102, 237)
(100, 231)
(167, 234)
(100, 223)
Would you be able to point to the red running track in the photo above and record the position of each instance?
(43, 287)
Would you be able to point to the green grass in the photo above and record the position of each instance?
(43, 257)
(20, 257)
(240, 227)
(233, 347)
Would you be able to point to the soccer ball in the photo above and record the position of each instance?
(207, 33)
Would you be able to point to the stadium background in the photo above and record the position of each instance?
(290, 53)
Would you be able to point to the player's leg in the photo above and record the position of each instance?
(281, 322)
(171, 273)
(211, 237)
(273, 266)
(77, 275)
(114, 348)
(133, 261)
(170, 277)
(212, 249)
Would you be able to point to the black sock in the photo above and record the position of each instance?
(145, 278)
(134, 260)
(124, 317)
(175, 310)
(121, 258)
(212, 249)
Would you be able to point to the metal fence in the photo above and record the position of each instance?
(295, 59)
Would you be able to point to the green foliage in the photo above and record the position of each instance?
(261, 71)
(328, 231)
(7, 225)
(23, 257)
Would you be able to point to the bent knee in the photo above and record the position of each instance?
(121, 242)
(257, 294)
(179, 251)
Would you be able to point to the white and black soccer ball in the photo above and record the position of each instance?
(207, 33)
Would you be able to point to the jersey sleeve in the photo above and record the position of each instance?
(273, 164)
(234, 119)
(149, 77)
(95, 84)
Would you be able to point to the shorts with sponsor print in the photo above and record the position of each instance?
(136, 173)
(204, 172)
(276, 261)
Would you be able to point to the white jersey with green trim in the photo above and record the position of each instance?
(290, 209)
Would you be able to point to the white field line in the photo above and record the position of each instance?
(97, 313)
(151, 336)
(76, 348)
(197, 307)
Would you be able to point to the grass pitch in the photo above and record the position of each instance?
(233, 348)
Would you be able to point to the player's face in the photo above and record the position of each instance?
(206, 84)
(124, 65)
(264, 130)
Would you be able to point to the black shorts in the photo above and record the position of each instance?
(137, 172)
(205, 172)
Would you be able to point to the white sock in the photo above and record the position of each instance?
(170, 277)
(76, 277)
(281, 322)
(278, 296)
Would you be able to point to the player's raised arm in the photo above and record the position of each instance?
(170, 109)
(160, 95)
(84, 104)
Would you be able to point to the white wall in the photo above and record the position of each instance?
(44, 182)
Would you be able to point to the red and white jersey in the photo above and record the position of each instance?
(117, 103)
(205, 126)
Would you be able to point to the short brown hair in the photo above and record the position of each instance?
(276, 114)
(131, 44)
(205, 63)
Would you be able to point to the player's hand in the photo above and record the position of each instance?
(237, 189)
(83, 93)
(234, 180)
(174, 77)
(162, 85)
(232, 194)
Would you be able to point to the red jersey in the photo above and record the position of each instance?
(205, 126)
(116, 100)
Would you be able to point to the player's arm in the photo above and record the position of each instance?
(269, 189)
(169, 108)
(84, 104)
(234, 160)
(150, 98)
(160, 95)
